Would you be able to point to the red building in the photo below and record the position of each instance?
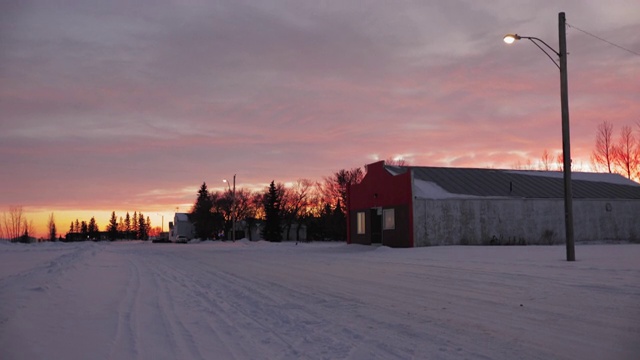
(407, 206)
(380, 208)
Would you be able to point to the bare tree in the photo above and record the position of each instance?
(254, 211)
(334, 187)
(14, 223)
(244, 205)
(560, 161)
(604, 153)
(396, 162)
(627, 153)
(294, 201)
(546, 160)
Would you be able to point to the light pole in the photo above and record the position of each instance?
(233, 207)
(564, 103)
(162, 225)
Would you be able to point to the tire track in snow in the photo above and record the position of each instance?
(153, 316)
(125, 338)
(351, 307)
(286, 317)
(187, 302)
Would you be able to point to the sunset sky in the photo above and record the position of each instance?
(131, 105)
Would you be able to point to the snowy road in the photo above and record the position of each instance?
(317, 301)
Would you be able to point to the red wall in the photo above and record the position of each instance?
(380, 188)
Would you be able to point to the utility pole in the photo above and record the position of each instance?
(566, 139)
(233, 207)
(566, 134)
(233, 210)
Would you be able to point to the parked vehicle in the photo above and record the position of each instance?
(181, 239)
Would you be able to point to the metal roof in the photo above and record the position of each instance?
(523, 183)
(182, 217)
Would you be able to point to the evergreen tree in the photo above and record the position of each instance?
(52, 228)
(148, 228)
(92, 229)
(201, 214)
(112, 229)
(134, 225)
(84, 230)
(25, 237)
(71, 228)
(127, 226)
(143, 232)
(272, 231)
(339, 222)
(326, 222)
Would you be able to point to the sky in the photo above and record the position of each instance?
(131, 106)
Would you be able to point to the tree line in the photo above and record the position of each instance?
(619, 155)
(136, 227)
(318, 206)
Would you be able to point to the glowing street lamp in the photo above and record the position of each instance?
(510, 38)
(564, 100)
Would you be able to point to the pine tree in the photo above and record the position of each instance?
(84, 230)
(201, 214)
(272, 231)
(112, 229)
(339, 223)
(127, 226)
(134, 225)
(92, 229)
(148, 227)
(52, 228)
(143, 232)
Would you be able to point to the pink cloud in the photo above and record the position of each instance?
(118, 106)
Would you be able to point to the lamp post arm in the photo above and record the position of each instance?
(536, 41)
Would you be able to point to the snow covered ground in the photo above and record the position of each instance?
(259, 300)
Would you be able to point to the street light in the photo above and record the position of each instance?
(564, 104)
(162, 225)
(233, 207)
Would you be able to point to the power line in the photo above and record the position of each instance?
(607, 41)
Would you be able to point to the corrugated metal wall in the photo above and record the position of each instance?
(518, 221)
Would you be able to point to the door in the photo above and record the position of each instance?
(376, 225)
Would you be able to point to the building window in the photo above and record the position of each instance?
(388, 219)
(361, 223)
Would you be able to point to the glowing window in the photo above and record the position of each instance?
(361, 223)
(389, 219)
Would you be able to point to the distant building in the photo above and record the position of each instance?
(407, 206)
(181, 225)
(297, 232)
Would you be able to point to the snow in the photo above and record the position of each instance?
(584, 176)
(431, 190)
(258, 300)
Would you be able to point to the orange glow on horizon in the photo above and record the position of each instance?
(64, 218)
